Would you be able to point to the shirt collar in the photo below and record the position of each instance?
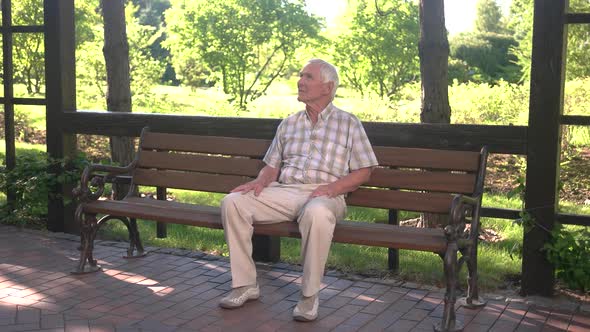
(325, 113)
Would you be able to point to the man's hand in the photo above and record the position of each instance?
(343, 185)
(324, 190)
(256, 185)
(266, 176)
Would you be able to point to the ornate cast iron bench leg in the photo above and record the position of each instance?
(88, 228)
(472, 300)
(134, 241)
(449, 321)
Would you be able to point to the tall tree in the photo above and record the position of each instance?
(145, 70)
(434, 60)
(116, 54)
(489, 17)
(243, 44)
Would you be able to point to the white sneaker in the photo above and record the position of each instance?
(307, 308)
(240, 295)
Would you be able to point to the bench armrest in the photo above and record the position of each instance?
(94, 177)
(461, 206)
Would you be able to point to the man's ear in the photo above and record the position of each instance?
(329, 88)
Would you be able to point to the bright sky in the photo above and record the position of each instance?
(459, 14)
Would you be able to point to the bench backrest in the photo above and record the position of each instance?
(410, 179)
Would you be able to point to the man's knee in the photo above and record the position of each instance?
(317, 211)
(229, 205)
(231, 200)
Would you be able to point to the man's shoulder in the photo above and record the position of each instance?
(295, 115)
(341, 114)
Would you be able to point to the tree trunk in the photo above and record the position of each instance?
(116, 55)
(434, 56)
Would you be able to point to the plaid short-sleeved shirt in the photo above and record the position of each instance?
(322, 153)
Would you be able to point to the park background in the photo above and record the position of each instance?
(241, 58)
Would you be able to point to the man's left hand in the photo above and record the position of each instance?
(324, 190)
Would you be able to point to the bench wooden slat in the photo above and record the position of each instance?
(363, 233)
(401, 200)
(422, 180)
(188, 181)
(205, 144)
(427, 158)
(377, 198)
(381, 177)
(200, 163)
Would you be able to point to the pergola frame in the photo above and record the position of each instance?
(539, 141)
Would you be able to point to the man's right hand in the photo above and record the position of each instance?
(256, 185)
(265, 177)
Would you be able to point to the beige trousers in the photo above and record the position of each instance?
(279, 203)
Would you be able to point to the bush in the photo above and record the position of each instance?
(487, 55)
(23, 131)
(569, 252)
(500, 104)
(33, 183)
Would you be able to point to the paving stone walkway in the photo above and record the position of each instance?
(171, 290)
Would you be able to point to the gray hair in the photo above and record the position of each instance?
(328, 73)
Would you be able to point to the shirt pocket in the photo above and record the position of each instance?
(335, 157)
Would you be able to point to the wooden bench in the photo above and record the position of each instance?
(422, 180)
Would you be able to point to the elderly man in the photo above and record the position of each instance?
(317, 156)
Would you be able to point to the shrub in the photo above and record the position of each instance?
(569, 252)
(33, 183)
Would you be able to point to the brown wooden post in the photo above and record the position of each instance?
(161, 228)
(266, 248)
(543, 148)
(7, 74)
(60, 88)
(393, 254)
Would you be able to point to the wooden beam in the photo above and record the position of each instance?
(544, 135)
(500, 213)
(60, 96)
(24, 101)
(575, 120)
(577, 18)
(500, 139)
(23, 28)
(573, 219)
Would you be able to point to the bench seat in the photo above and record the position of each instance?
(364, 233)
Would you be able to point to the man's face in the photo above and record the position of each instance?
(310, 87)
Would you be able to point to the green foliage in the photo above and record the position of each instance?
(144, 68)
(503, 103)
(569, 252)
(151, 13)
(578, 51)
(489, 17)
(487, 56)
(460, 71)
(22, 126)
(33, 180)
(568, 249)
(379, 53)
(28, 56)
(245, 45)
